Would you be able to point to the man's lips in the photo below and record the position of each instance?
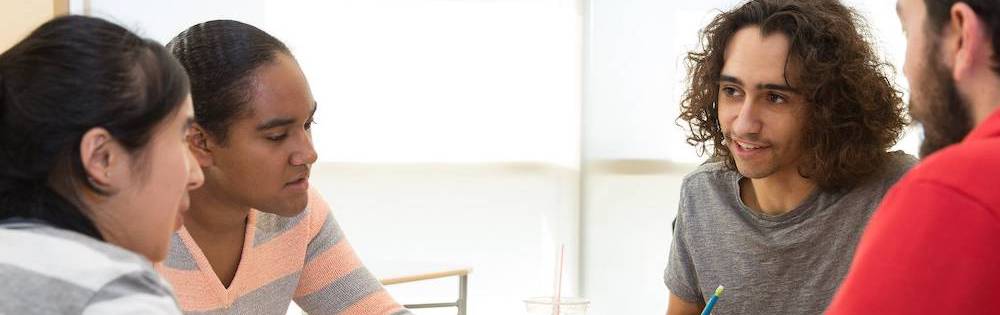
(747, 145)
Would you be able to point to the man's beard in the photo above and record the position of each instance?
(943, 112)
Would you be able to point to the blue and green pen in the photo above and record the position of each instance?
(711, 301)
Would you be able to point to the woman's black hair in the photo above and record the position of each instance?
(71, 75)
(221, 57)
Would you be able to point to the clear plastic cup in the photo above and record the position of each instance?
(544, 305)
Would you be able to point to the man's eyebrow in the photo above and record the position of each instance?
(730, 79)
(779, 87)
(762, 86)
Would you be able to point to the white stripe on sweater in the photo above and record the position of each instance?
(89, 269)
(134, 304)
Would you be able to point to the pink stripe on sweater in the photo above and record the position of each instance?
(319, 210)
(336, 262)
(270, 260)
(191, 294)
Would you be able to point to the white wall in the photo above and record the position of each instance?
(415, 80)
(503, 219)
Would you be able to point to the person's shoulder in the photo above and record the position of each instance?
(316, 205)
(961, 160)
(968, 167)
(897, 164)
(900, 161)
(70, 256)
(85, 246)
(270, 225)
(316, 210)
(709, 187)
(68, 271)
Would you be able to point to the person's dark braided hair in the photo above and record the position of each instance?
(221, 57)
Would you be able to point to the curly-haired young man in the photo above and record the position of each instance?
(795, 107)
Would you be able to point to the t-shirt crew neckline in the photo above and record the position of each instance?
(767, 220)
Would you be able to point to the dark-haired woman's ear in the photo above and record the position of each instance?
(99, 155)
(198, 142)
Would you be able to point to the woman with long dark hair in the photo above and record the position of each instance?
(94, 169)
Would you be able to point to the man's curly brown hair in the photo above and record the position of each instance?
(854, 113)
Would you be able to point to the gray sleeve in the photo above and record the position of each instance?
(141, 292)
(680, 276)
(339, 293)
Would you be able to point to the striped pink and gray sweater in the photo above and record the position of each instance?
(303, 258)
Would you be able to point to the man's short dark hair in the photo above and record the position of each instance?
(938, 13)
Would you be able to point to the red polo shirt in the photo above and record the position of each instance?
(933, 246)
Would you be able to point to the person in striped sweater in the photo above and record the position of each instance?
(257, 237)
(94, 169)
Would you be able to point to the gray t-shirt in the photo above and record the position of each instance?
(786, 264)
